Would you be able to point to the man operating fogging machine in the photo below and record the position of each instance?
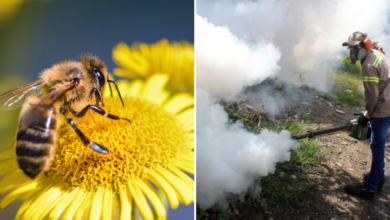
(376, 81)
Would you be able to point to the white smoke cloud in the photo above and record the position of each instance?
(229, 158)
(225, 64)
(241, 43)
(308, 33)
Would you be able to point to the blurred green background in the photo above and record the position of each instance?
(35, 34)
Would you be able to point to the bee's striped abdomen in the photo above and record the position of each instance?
(35, 141)
(35, 134)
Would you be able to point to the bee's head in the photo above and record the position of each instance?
(97, 72)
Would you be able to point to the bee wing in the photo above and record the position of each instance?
(41, 111)
(15, 98)
(53, 96)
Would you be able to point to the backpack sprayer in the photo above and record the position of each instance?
(357, 131)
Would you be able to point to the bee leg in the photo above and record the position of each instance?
(94, 146)
(99, 110)
(98, 97)
(46, 173)
(47, 170)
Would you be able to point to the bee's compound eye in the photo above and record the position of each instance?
(75, 81)
(99, 75)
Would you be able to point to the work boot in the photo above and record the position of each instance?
(359, 191)
(380, 184)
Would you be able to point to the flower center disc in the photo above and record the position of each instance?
(155, 138)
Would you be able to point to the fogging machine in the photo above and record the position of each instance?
(359, 132)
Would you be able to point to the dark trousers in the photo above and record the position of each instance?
(379, 131)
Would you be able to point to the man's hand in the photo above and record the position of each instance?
(362, 120)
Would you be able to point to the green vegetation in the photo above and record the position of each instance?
(281, 187)
(292, 127)
(309, 152)
(346, 84)
(346, 66)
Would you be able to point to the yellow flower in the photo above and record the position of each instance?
(157, 147)
(142, 60)
(8, 8)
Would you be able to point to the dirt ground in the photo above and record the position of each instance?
(344, 161)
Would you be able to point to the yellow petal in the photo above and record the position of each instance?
(29, 200)
(8, 165)
(155, 58)
(130, 59)
(168, 190)
(135, 88)
(132, 89)
(126, 202)
(185, 168)
(75, 204)
(191, 145)
(189, 126)
(96, 208)
(53, 201)
(107, 204)
(123, 85)
(179, 102)
(141, 202)
(7, 153)
(160, 193)
(126, 73)
(161, 97)
(42, 202)
(64, 202)
(154, 85)
(138, 64)
(183, 176)
(121, 53)
(183, 190)
(189, 157)
(149, 185)
(144, 49)
(84, 207)
(187, 163)
(18, 193)
(153, 198)
(12, 179)
(186, 118)
(177, 59)
(191, 136)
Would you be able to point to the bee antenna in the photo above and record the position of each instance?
(109, 85)
(110, 81)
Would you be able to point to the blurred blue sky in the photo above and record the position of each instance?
(45, 32)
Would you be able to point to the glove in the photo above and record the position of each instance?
(362, 120)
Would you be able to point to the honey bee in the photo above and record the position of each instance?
(70, 88)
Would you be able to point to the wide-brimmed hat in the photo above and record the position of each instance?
(355, 38)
